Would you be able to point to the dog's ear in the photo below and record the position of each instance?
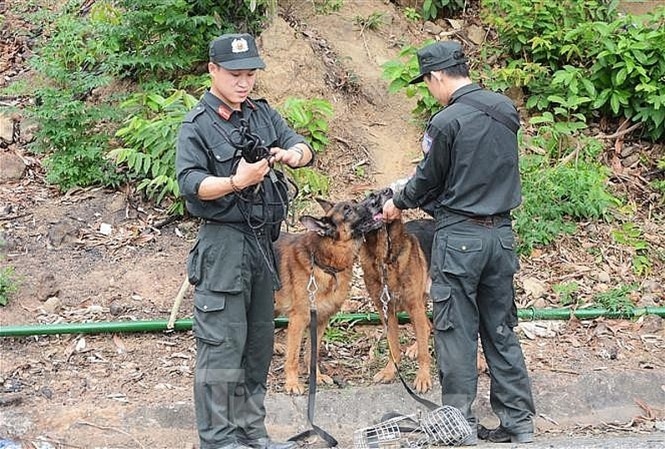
(315, 224)
(325, 204)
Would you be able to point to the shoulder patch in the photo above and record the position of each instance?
(426, 143)
(194, 113)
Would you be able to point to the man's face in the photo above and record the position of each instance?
(231, 86)
(437, 86)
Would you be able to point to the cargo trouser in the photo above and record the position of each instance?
(473, 265)
(234, 328)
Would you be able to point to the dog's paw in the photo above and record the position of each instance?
(412, 351)
(386, 375)
(423, 382)
(294, 387)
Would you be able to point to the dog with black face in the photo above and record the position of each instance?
(396, 276)
(322, 258)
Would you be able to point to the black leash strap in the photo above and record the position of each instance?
(496, 115)
(313, 362)
(426, 402)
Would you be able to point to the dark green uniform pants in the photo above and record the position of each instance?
(472, 291)
(234, 329)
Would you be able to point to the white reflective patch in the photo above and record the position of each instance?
(239, 46)
(426, 143)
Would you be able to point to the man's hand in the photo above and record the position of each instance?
(249, 174)
(390, 211)
(293, 157)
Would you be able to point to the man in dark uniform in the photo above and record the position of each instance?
(469, 178)
(226, 147)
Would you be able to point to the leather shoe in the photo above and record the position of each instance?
(267, 443)
(502, 435)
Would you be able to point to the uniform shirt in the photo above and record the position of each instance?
(205, 148)
(470, 165)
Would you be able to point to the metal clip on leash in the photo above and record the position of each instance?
(312, 288)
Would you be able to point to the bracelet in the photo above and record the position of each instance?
(233, 185)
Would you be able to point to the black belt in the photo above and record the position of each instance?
(489, 220)
(242, 227)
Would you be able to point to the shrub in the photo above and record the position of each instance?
(554, 197)
(402, 70)
(149, 139)
(581, 49)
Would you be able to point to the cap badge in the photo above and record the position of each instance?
(239, 46)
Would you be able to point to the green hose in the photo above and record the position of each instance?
(355, 318)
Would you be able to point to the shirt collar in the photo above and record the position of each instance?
(224, 110)
(463, 91)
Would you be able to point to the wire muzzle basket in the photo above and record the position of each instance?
(444, 426)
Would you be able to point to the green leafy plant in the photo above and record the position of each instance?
(72, 129)
(586, 52)
(148, 42)
(327, 6)
(432, 9)
(158, 38)
(566, 292)
(72, 136)
(310, 181)
(309, 118)
(516, 73)
(8, 284)
(659, 184)
(402, 70)
(538, 28)
(617, 299)
(372, 22)
(555, 197)
(149, 142)
(338, 333)
(412, 14)
(631, 235)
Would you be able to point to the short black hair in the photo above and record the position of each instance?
(457, 71)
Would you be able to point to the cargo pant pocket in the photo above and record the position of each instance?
(216, 261)
(208, 324)
(441, 307)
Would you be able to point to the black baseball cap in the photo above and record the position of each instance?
(236, 52)
(438, 56)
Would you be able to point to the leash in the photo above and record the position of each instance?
(440, 426)
(312, 288)
(385, 300)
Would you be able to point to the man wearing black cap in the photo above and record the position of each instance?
(469, 180)
(226, 147)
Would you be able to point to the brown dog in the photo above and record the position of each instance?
(318, 262)
(392, 258)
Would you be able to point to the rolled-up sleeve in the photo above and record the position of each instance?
(191, 161)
